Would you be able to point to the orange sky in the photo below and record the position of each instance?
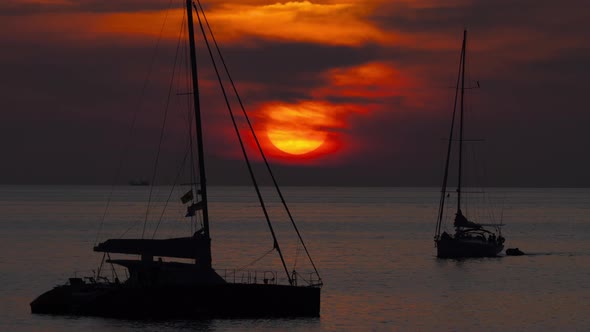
(336, 71)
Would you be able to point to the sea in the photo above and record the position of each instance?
(373, 248)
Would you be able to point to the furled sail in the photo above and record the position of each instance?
(461, 221)
(195, 247)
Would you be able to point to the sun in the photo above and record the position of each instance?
(296, 141)
(297, 129)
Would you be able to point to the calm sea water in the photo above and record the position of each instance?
(373, 247)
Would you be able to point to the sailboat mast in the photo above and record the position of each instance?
(202, 190)
(443, 191)
(461, 120)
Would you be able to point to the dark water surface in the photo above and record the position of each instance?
(373, 247)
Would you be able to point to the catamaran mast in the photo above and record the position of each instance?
(461, 120)
(202, 189)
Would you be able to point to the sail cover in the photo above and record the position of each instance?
(461, 221)
(196, 247)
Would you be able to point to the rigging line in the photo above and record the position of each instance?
(257, 141)
(502, 210)
(128, 229)
(202, 186)
(493, 203)
(461, 117)
(179, 172)
(114, 271)
(483, 200)
(100, 266)
(449, 149)
(256, 260)
(193, 175)
(167, 108)
(125, 151)
(296, 257)
(245, 154)
(171, 192)
(185, 52)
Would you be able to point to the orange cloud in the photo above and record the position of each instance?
(38, 2)
(141, 23)
(328, 22)
(375, 81)
(298, 21)
(369, 80)
(331, 24)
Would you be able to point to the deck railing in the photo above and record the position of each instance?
(236, 276)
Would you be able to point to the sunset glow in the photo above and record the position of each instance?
(296, 141)
(369, 80)
(339, 23)
(306, 129)
(293, 21)
(326, 82)
(297, 129)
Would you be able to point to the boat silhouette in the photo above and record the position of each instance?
(156, 288)
(470, 239)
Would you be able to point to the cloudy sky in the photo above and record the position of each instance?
(341, 92)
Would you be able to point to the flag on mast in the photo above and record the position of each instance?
(193, 208)
(187, 197)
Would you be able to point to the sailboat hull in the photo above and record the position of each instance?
(184, 302)
(466, 248)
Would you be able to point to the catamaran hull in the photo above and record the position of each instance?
(194, 302)
(453, 248)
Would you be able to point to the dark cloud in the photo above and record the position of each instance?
(291, 69)
(19, 8)
(483, 16)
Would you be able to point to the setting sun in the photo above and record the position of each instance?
(296, 141)
(296, 129)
